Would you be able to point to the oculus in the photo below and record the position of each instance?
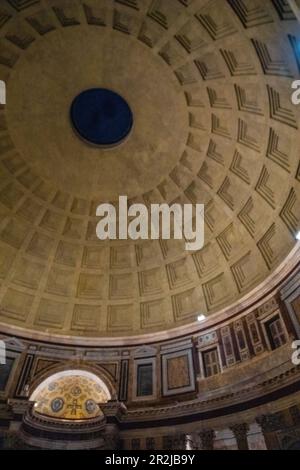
(101, 117)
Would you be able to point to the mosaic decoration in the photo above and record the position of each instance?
(71, 397)
(90, 406)
(57, 405)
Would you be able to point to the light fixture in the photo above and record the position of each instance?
(298, 236)
(201, 318)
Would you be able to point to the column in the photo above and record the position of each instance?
(192, 441)
(269, 425)
(111, 437)
(207, 437)
(240, 432)
(179, 442)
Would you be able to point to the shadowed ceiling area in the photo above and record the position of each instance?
(209, 86)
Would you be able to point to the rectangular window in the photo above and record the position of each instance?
(144, 380)
(211, 362)
(254, 333)
(135, 444)
(167, 443)
(275, 332)
(150, 443)
(296, 307)
(5, 370)
(241, 340)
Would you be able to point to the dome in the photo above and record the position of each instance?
(209, 88)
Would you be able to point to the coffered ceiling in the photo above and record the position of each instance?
(209, 85)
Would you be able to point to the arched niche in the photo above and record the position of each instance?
(71, 395)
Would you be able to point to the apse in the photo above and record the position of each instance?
(70, 395)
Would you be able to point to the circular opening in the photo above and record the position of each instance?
(101, 117)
